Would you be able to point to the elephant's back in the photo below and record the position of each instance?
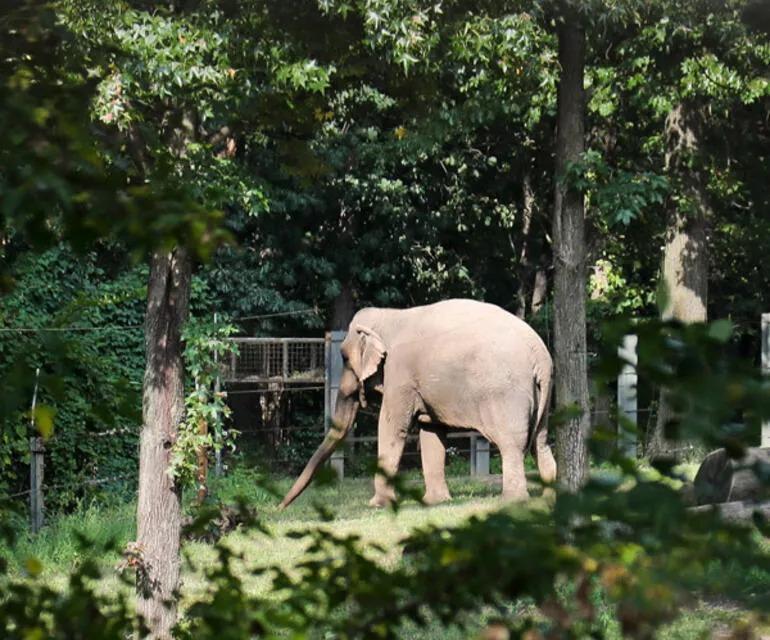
(471, 336)
(471, 321)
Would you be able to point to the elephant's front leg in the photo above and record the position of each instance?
(392, 428)
(433, 454)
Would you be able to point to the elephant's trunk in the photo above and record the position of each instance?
(344, 417)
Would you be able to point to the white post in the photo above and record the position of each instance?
(482, 456)
(479, 455)
(627, 400)
(765, 438)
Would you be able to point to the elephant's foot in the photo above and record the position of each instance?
(436, 497)
(380, 501)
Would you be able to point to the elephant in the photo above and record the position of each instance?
(453, 364)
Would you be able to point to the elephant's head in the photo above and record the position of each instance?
(362, 352)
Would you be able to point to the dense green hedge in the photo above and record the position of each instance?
(90, 378)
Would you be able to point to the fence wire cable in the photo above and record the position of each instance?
(68, 329)
(67, 485)
(277, 314)
(268, 391)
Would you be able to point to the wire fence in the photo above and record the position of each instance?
(75, 485)
(265, 392)
(286, 448)
(132, 327)
(289, 360)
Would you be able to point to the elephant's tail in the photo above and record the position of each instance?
(544, 382)
(543, 400)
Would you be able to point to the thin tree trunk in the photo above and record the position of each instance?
(159, 505)
(344, 308)
(685, 258)
(539, 290)
(571, 383)
(202, 456)
(525, 268)
(272, 416)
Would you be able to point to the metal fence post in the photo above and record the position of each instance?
(765, 438)
(333, 375)
(36, 467)
(218, 450)
(627, 397)
(217, 391)
(327, 380)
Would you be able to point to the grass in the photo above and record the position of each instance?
(58, 546)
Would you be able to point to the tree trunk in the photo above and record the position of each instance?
(685, 258)
(344, 308)
(159, 504)
(525, 268)
(540, 290)
(571, 383)
(202, 456)
(270, 403)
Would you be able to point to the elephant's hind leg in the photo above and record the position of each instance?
(433, 455)
(514, 478)
(512, 442)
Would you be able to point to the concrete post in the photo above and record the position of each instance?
(627, 399)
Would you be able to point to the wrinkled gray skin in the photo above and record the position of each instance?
(454, 364)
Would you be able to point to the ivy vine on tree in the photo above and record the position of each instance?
(207, 347)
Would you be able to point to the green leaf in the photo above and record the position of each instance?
(721, 330)
(44, 420)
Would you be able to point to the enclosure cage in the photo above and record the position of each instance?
(285, 360)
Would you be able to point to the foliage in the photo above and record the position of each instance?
(206, 347)
(706, 57)
(79, 319)
(618, 196)
(53, 177)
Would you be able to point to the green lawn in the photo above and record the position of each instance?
(57, 548)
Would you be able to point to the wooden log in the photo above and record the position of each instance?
(723, 479)
(737, 511)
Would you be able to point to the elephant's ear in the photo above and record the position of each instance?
(372, 351)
